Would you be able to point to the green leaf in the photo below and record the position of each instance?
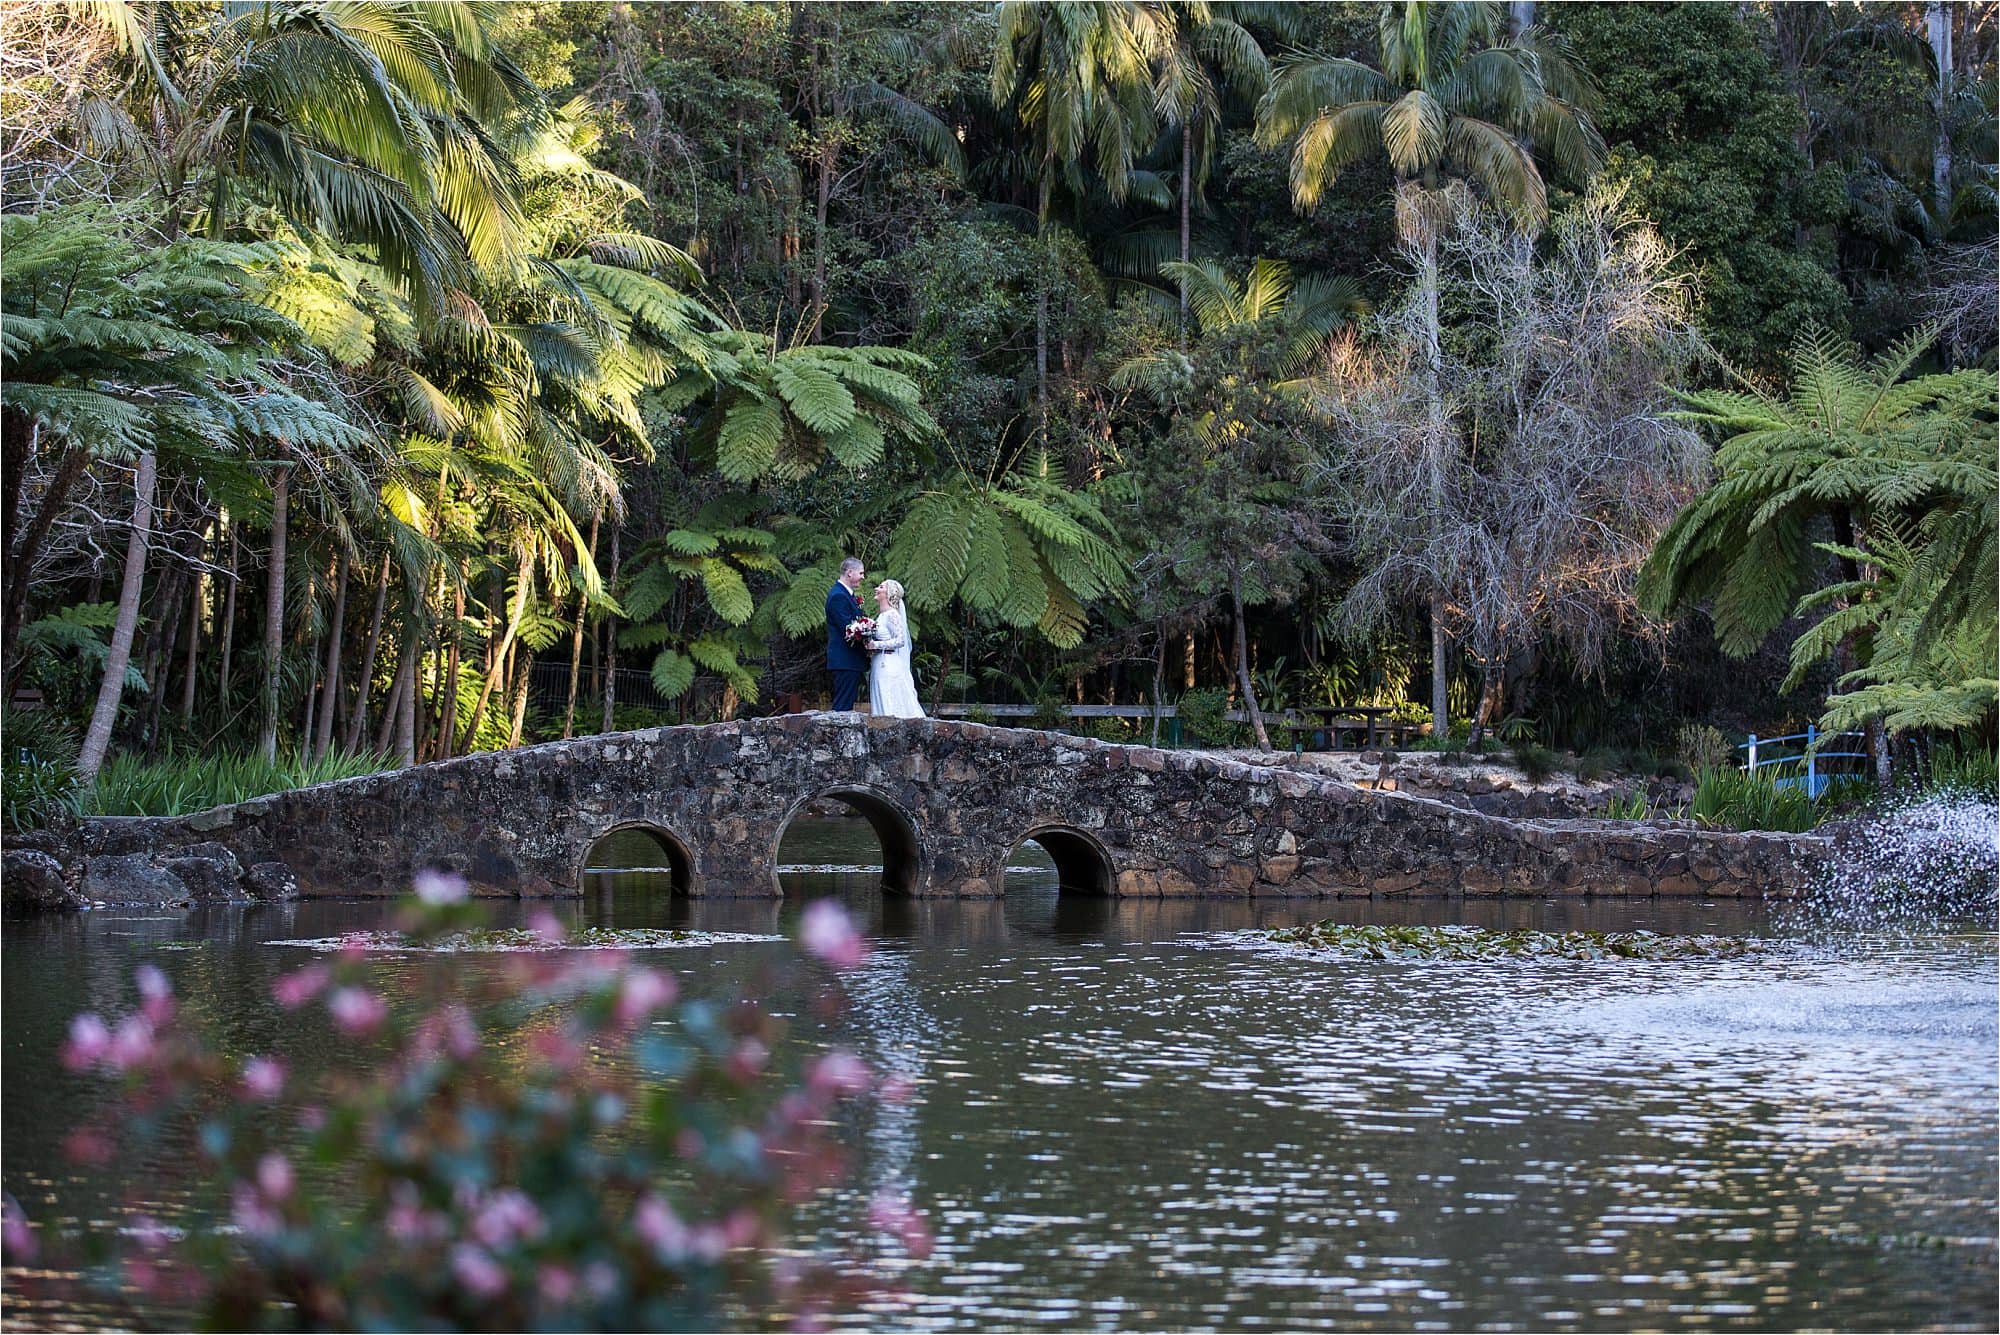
(727, 593)
(672, 674)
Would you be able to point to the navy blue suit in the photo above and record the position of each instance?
(847, 663)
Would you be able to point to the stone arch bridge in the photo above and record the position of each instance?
(948, 801)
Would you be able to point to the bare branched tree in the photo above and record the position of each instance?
(1529, 506)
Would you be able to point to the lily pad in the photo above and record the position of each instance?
(1354, 941)
(493, 940)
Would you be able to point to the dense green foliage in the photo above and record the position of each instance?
(408, 379)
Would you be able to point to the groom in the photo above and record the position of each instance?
(847, 663)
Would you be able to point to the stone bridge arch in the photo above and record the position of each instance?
(1083, 864)
(904, 866)
(949, 801)
(673, 847)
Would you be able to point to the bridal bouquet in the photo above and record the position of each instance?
(859, 631)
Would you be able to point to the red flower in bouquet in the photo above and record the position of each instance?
(859, 631)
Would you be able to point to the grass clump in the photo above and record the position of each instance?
(175, 785)
(37, 771)
(1457, 943)
(1730, 798)
(1535, 761)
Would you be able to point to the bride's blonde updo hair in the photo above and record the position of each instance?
(893, 591)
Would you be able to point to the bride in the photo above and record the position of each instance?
(892, 691)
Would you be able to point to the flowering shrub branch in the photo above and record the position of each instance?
(578, 1147)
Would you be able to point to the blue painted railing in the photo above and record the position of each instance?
(1815, 780)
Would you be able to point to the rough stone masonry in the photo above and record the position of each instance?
(948, 801)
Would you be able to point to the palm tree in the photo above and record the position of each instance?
(1855, 450)
(1455, 98)
(370, 123)
(1077, 76)
(1210, 52)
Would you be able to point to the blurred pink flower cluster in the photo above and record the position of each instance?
(576, 1145)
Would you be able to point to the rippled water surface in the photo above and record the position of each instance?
(1128, 1114)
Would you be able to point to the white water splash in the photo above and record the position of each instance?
(1920, 863)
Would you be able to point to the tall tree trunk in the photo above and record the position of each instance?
(228, 616)
(447, 720)
(1187, 233)
(196, 606)
(1937, 23)
(406, 708)
(357, 720)
(1243, 661)
(523, 677)
(329, 699)
(392, 709)
(611, 643)
(274, 615)
(97, 740)
(22, 556)
(576, 638)
(1492, 694)
(1159, 682)
(1419, 216)
(1045, 268)
(497, 672)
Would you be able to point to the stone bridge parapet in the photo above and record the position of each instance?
(949, 801)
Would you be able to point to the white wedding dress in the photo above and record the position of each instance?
(892, 690)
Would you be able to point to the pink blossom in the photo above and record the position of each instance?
(150, 1233)
(356, 1011)
(644, 991)
(407, 1220)
(16, 1236)
(131, 1043)
(156, 994)
(557, 1284)
(88, 1147)
(891, 1212)
(839, 1072)
(437, 888)
(477, 1271)
(896, 1089)
(505, 1216)
(601, 1278)
(547, 927)
(274, 1177)
(826, 931)
(295, 989)
(660, 1228)
(89, 1040)
(741, 1228)
(312, 1117)
(251, 1214)
(263, 1078)
(748, 1058)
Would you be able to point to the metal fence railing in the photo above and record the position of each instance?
(1809, 755)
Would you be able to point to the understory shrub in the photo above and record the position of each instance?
(1963, 767)
(38, 785)
(561, 1144)
(177, 784)
(1730, 798)
(1535, 761)
(1203, 718)
(1700, 746)
(1595, 763)
(1111, 730)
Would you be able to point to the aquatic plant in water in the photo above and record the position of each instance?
(568, 1145)
(1376, 942)
(507, 940)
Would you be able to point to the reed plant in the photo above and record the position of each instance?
(178, 783)
(1730, 798)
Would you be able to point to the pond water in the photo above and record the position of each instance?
(1128, 1114)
